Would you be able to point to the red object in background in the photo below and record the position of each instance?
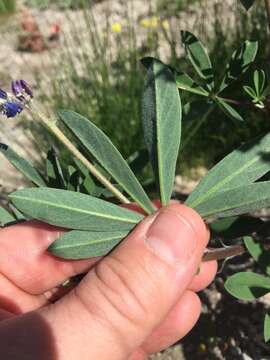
(55, 32)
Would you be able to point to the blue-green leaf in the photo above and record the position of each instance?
(267, 328)
(73, 210)
(185, 82)
(162, 123)
(242, 166)
(258, 253)
(22, 165)
(240, 200)
(100, 146)
(228, 109)
(198, 57)
(240, 62)
(247, 285)
(5, 217)
(86, 244)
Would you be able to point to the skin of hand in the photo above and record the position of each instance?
(138, 300)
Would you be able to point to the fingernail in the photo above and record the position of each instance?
(172, 237)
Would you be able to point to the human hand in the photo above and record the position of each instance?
(138, 300)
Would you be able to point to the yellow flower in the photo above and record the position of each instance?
(165, 24)
(116, 27)
(150, 23)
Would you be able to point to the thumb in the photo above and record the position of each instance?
(128, 294)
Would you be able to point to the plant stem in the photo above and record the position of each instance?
(223, 253)
(51, 125)
(267, 8)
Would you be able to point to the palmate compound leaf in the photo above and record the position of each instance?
(240, 62)
(85, 244)
(73, 210)
(22, 165)
(247, 285)
(162, 123)
(198, 57)
(239, 200)
(242, 166)
(100, 146)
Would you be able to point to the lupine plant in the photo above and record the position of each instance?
(83, 197)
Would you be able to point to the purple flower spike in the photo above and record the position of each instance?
(11, 109)
(3, 94)
(27, 88)
(20, 88)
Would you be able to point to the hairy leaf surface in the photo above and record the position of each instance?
(100, 146)
(85, 244)
(22, 165)
(162, 123)
(73, 210)
(242, 166)
(236, 201)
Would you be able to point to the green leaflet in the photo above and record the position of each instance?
(22, 165)
(73, 210)
(228, 109)
(258, 253)
(100, 146)
(236, 201)
(247, 285)
(240, 62)
(86, 244)
(198, 57)
(242, 166)
(162, 123)
(5, 217)
(267, 328)
(185, 82)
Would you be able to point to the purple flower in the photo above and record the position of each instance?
(11, 108)
(3, 94)
(20, 88)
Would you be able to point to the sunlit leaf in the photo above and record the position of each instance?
(251, 92)
(242, 166)
(198, 57)
(100, 146)
(85, 244)
(162, 123)
(240, 200)
(247, 285)
(240, 62)
(228, 109)
(22, 165)
(73, 210)
(259, 81)
(267, 328)
(185, 82)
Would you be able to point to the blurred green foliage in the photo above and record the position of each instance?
(7, 6)
(100, 75)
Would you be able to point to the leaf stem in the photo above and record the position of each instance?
(52, 126)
